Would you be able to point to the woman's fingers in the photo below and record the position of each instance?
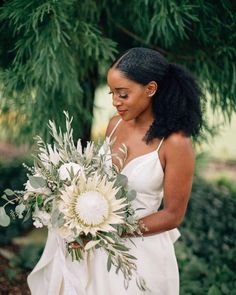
(75, 245)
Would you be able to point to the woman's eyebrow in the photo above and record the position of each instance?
(121, 88)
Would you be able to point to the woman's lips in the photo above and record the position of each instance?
(122, 112)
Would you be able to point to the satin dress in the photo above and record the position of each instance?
(56, 274)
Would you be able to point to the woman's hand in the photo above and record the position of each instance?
(76, 245)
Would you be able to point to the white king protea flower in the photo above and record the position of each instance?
(66, 169)
(90, 205)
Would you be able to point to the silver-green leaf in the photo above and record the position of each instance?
(121, 180)
(109, 262)
(131, 195)
(37, 182)
(9, 192)
(4, 218)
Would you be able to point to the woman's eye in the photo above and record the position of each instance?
(123, 96)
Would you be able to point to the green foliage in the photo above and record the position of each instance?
(52, 51)
(55, 57)
(207, 251)
(24, 261)
(12, 175)
(198, 34)
(226, 183)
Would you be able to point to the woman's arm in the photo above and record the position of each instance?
(178, 159)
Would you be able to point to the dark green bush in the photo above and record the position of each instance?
(207, 251)
(12, 175)
(24, 261)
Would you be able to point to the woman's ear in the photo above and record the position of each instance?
(151, 88)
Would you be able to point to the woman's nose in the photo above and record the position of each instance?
(116, 102)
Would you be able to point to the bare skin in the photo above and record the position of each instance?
(134, 105)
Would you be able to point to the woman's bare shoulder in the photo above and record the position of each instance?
(112, 123)
(178, 142)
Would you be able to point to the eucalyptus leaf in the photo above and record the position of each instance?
(4, 218)
(4, 197)
(9, 192)
(131, 195)
(121, 180)
(119, 194)
(37, 182)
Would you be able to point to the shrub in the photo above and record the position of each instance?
(207, 252)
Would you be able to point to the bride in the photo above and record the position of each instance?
(159, 110)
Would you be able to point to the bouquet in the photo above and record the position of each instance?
(79, 193)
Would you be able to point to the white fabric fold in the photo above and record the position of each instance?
(56, 273)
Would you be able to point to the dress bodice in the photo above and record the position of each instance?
(145, 176)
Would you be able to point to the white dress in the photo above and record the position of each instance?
(56, 274)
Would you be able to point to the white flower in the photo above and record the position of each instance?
(90, 205)
(37, 223)
(66, 169)
(41, 218)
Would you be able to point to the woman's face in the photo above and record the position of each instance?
(130, 98)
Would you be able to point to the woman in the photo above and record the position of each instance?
(159, 110)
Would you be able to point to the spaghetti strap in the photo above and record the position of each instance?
(114, 129)
(160, 144)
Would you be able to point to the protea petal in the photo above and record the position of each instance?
(89, 205)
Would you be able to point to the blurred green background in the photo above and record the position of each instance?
(54, 56)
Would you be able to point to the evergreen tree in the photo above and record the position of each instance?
(53, 52)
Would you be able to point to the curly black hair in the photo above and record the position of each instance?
(176, 103)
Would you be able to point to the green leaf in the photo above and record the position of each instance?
(214, 291)
(80, 241)
(119, 194)
(4, 197)
(40, 200)
(27, 216)
(121, 180)
(121, 247)
(9, 192)
(109, 262)
(37, 182)
(131, 195)
(91, 244)
(4, 218)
